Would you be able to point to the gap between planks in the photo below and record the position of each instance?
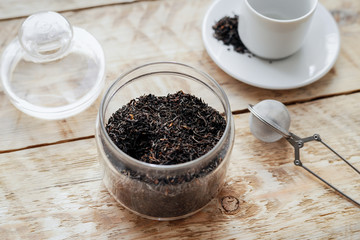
(82, 8)
(47, 144)
(306, 100)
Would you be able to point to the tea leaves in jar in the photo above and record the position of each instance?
(166, 130)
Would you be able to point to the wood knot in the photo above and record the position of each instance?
(230, 204)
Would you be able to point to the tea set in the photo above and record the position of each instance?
(294, 43)
(316, 56)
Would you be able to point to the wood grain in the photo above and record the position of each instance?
(55, 192)
(50, 183)
(20, 8)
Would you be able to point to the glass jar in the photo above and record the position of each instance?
(163, 192)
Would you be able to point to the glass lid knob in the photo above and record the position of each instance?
(45, 36)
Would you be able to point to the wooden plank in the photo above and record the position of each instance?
(142, 32)
(56, 191)
(21, 8)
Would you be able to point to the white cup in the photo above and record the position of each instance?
(275, 29)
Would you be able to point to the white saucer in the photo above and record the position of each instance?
(310, 63)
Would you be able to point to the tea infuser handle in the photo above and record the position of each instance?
(299, 163)
(317, 138)
(298, 143)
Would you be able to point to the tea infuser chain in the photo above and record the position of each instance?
(298, 143)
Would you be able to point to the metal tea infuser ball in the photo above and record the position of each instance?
(270, 121)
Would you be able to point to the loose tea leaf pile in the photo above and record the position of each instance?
(226, 31)
(166, 130)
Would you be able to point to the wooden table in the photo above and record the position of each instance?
(50, 183)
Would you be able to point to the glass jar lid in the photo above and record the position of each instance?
(52, 70)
